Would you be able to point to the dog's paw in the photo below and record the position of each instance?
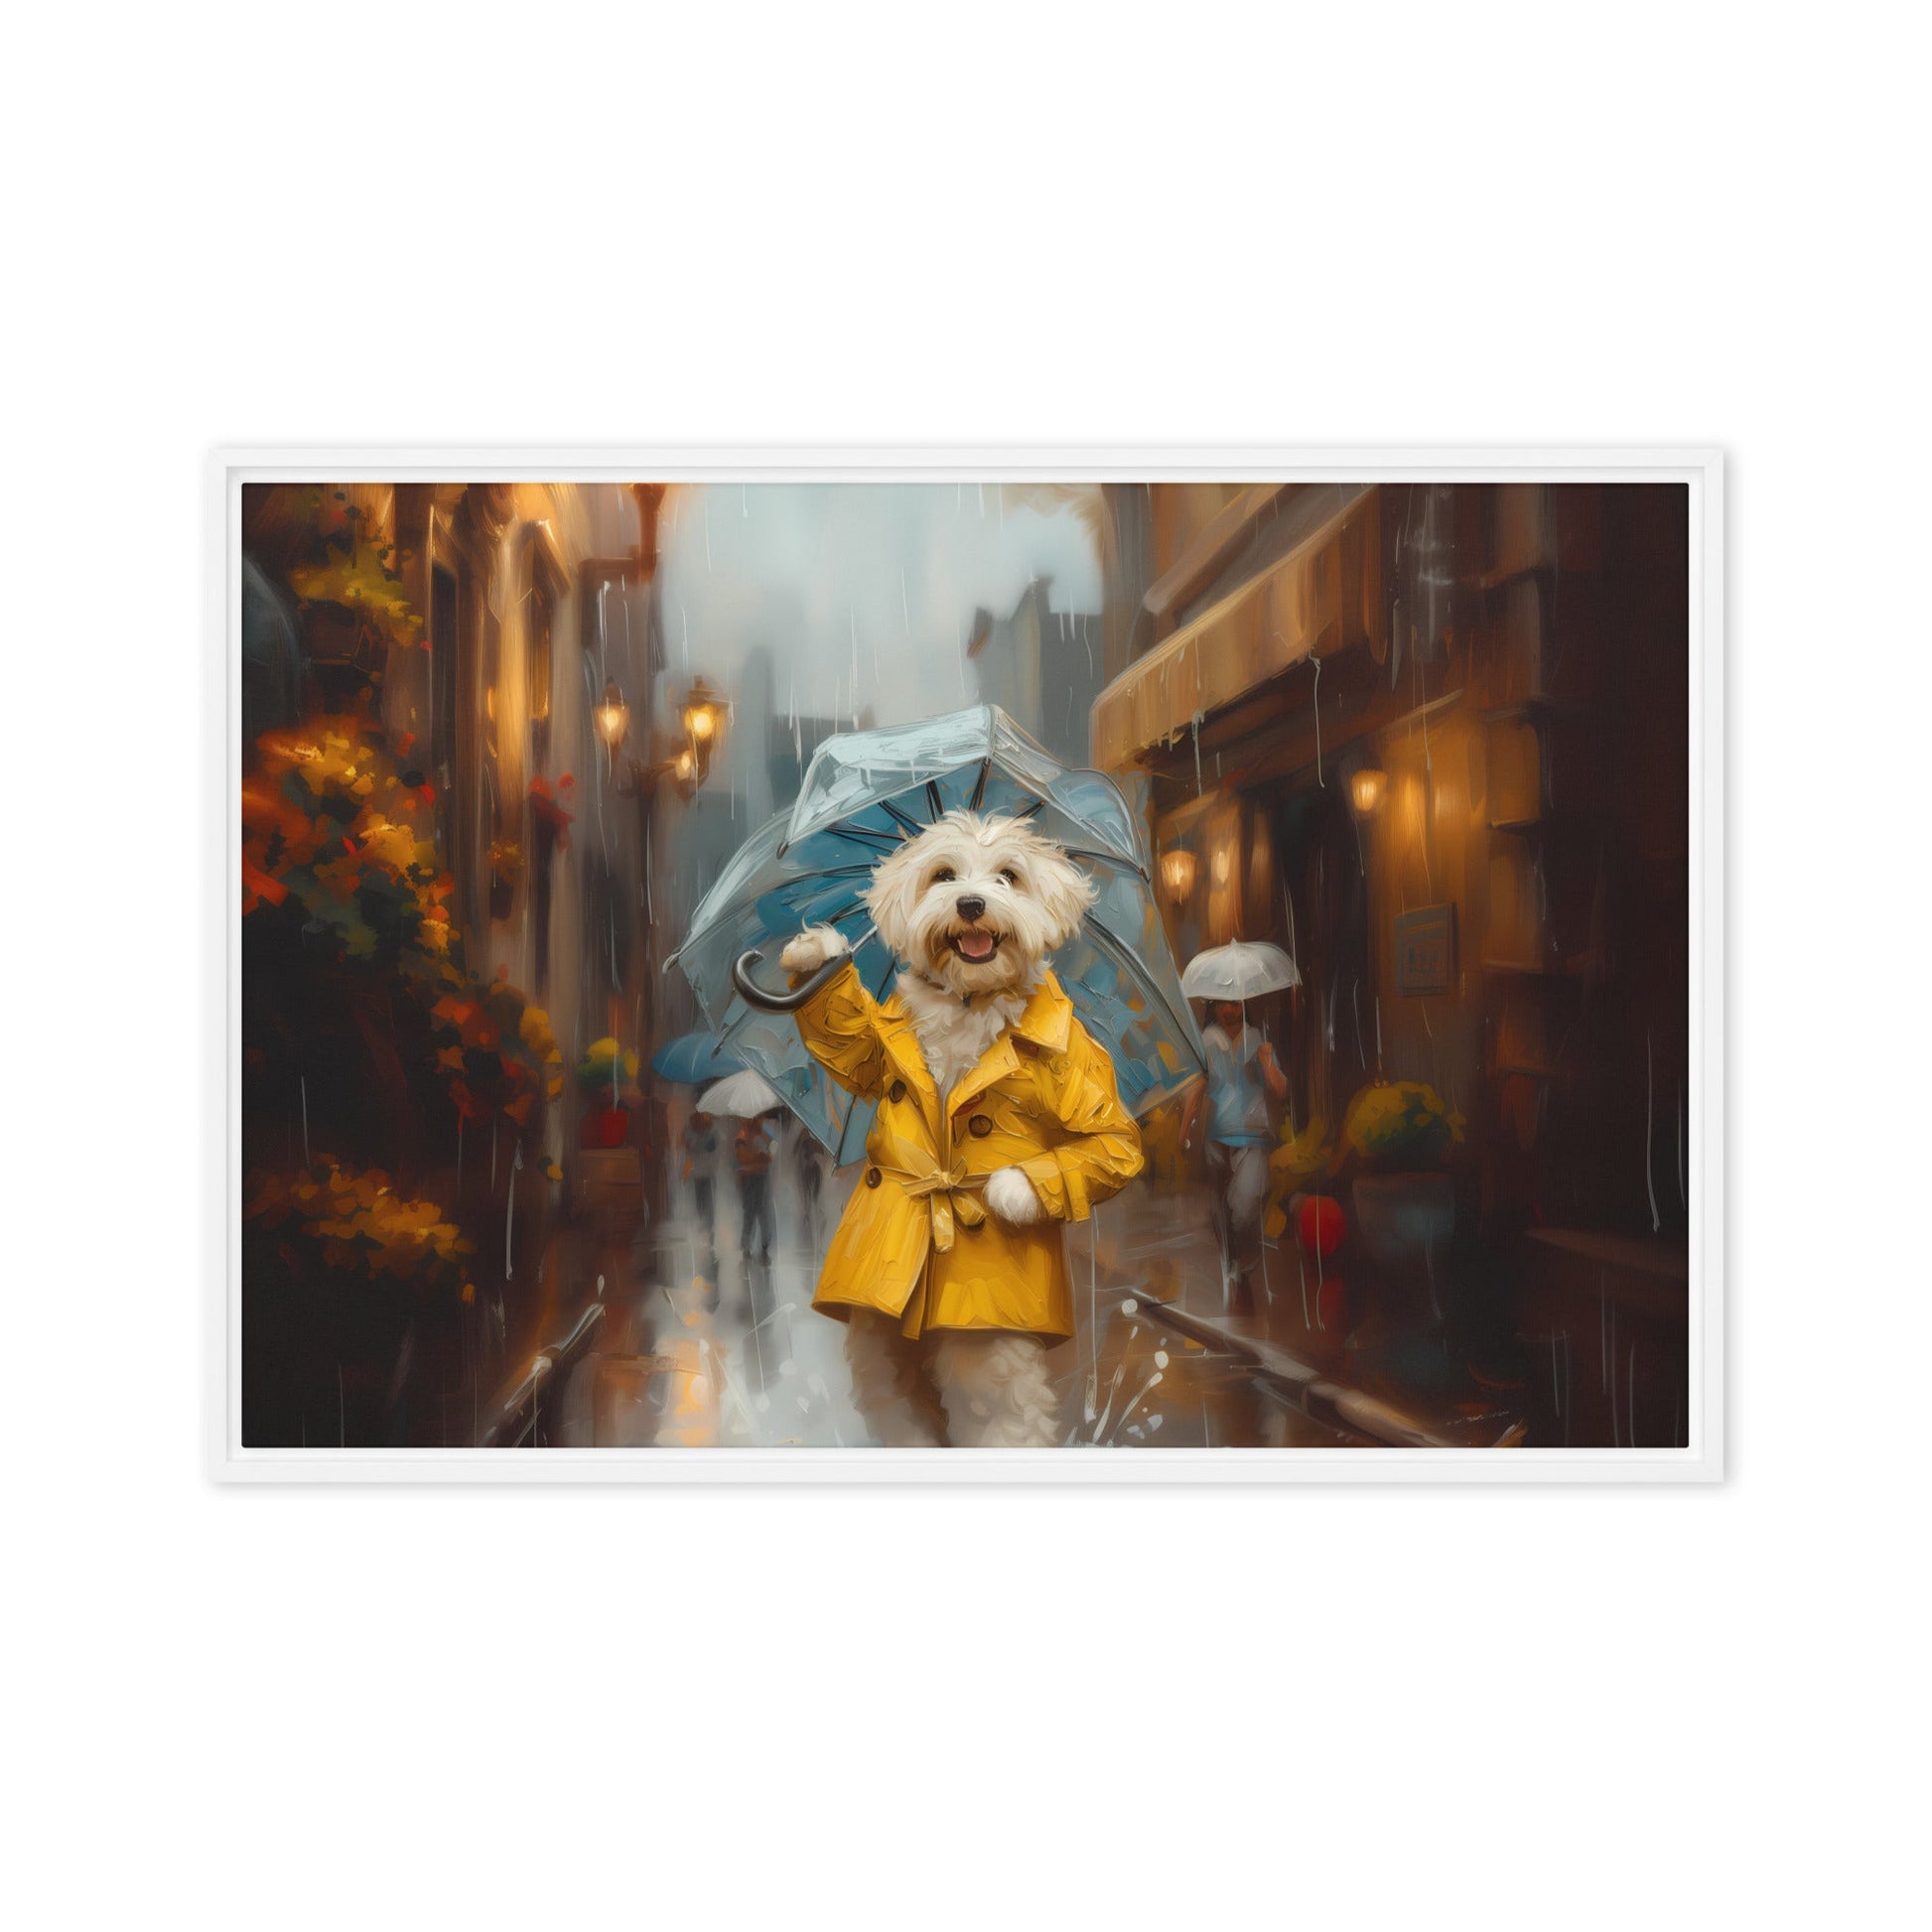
(1010, 1197)
(812, 948)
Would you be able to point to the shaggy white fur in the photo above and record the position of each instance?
(1010, 1196)
(975, 904)
(890, 1386)
(954, 1034)
(963, 1388)
(812, 948)
(996, 1388)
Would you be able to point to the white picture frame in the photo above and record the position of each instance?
(1699, 470)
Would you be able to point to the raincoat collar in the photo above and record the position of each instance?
(902, 1042)
(1046, 1021)
(1048, 1018)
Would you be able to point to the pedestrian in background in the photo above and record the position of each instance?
(1243, 1077)
(752, 1153)
(700, 1170)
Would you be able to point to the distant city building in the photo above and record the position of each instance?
(1044, 667)
(791, 743)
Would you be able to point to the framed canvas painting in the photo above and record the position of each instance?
(1066, 964)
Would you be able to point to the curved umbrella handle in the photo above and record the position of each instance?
(755, 994)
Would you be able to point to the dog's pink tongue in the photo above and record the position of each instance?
(975, 945)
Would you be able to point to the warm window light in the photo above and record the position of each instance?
(1178, 874)
(613, 717)
(1223, 865)
(1366, 788)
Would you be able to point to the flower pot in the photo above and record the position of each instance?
(604, 1127)
(1405, 1218)
(1404, 1222)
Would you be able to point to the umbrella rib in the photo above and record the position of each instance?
(979, 784)
(1107, 859)
(845, 912)
(911, 825)
(862, 835)
(933, 799)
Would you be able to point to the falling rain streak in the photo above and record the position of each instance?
(522, 823)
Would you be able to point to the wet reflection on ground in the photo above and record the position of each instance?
(706, 1346)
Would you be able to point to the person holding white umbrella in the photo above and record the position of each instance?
(1243, 1077)
(752, 1099)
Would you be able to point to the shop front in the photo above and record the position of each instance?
(1430, 741)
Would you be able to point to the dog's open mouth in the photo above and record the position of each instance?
(975, 945)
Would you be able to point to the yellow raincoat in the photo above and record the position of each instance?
(915, 1241)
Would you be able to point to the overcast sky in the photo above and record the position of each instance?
(869, 582)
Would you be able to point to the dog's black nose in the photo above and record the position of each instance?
(970, 908)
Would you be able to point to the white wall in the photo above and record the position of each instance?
(1650, 1710)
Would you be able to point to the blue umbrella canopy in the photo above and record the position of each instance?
(864, 793)
(695, 1060)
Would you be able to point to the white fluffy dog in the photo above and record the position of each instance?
(971, 907)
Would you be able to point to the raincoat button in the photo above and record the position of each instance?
(872, 1176)
(897, 1091)
(979, 1127)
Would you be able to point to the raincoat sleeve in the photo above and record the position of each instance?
(840, 1028)
(1102, 1153)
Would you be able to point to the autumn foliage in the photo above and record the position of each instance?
(331, 1219)
(339, 847)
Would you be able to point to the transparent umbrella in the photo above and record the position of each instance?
(865, 792)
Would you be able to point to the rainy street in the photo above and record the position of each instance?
(717, 1349)
(702, 1346)
(1354, 984)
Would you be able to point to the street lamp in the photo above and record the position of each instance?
(702, 713)
(1365, 790)
(1178, 874)
(612, 719)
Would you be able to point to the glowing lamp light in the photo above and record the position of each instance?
(1178, 874)
(1365, 790)
(1223, 865)
(702, 713)
(612, 717)
(685, 766)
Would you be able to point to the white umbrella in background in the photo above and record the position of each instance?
(746, 1094)
(1242, 970)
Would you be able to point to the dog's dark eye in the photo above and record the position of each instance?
(945, 876)
(1008, 875)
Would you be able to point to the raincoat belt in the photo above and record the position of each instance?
(946, 1193)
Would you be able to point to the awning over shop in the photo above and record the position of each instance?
(1319, 596)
